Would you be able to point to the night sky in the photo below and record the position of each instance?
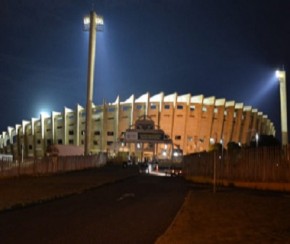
(224, 48)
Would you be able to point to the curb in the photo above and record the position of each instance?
(160, 240)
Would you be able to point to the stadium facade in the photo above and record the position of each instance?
(193, 123)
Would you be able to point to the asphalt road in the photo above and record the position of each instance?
(136, 210)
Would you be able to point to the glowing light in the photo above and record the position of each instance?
(257, 139)
(44, 114)
(99, 22)
(257, 136)
(280, 74)
(267, 85)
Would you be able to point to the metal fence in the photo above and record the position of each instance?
(51, 165)
(269, 164)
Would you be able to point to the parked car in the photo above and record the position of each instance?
(129, 162)
(143, 168)
(174, 170)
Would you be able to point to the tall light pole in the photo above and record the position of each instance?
(91, 23)
(281, 75)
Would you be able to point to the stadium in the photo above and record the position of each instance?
(173, 123)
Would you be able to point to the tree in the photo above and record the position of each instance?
(233, 146)
(265, 141)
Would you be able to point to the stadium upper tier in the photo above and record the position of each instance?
(193, 123)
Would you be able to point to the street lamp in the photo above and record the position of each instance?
(257, 139)
(91, 23)
(281, 76)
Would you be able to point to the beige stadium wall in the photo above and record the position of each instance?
(192, 122)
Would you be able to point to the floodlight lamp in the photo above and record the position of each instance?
(280, 74)
(87, 20)
(99, 22)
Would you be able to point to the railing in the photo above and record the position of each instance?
(269, 164)
(51, 165)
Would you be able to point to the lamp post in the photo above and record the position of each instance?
(281, 75)
(91, 23)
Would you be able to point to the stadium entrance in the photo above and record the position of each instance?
(145, 142)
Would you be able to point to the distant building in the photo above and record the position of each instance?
(193, 123)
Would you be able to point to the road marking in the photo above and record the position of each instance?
(125, 195)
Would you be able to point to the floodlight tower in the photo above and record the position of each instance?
(281, 75)
(91, 23)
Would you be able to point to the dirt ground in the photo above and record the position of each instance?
(231, 216)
